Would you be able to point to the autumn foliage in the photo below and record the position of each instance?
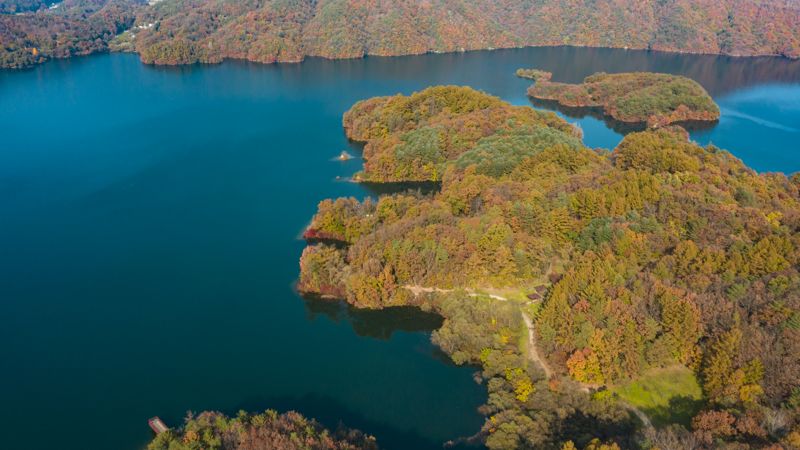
(209, 31)
(289, 30)
(656, 99)
(657, 254)
(76, 27)
(268, 430)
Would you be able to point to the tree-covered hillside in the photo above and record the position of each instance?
(455, 120)
(571, 274)
(75, 27)
(288, 30)
(187, 31)
(20, 6)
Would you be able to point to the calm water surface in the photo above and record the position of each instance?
(149, 223)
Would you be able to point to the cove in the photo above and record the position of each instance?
(149, 223)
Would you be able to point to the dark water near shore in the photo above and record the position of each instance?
(149, 223)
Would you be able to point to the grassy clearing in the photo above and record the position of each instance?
(670, 395)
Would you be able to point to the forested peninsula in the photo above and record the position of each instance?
(209, 31)
(266, 431)
(645, 297)
(654, 99)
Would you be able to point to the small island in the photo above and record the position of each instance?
(534, 74)
(654, 99)
(268, 430)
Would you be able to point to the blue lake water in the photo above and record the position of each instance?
(149, 223)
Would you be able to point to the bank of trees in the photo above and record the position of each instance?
(657, 254)
(291, 30)
(208, 31)
(268, 430)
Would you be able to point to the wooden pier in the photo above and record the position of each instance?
(157, 425)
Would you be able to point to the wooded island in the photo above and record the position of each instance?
(655, 99)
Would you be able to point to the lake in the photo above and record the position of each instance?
(149, 237)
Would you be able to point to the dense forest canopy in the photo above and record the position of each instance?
(187, 31)
(575, 277)
(455, 120)
(266, 431)
(20, 6)
(75, 27)
(656, 99)
(288, 30)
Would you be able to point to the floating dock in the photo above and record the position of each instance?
(157, 425)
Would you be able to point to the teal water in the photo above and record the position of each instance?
(149, 223)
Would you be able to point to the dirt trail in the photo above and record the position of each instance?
(417, 290)
(533, 352)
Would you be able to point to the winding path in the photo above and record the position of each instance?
(417, 290)
(533, 352)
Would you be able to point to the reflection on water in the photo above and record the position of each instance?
(617, 126)
(576, 112)
(718, 74)
(377, 324)
(622, 128)
(412, 187)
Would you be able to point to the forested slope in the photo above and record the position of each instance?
(186, 31)
(287, 30)
(75, 27)
(20, 6)
(659, 255)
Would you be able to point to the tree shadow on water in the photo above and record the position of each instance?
(421, 188)
(377, 324)
(615, 125)
(380, 324)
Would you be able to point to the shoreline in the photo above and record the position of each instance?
(400, 55)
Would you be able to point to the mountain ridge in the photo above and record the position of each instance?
(208, 31)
